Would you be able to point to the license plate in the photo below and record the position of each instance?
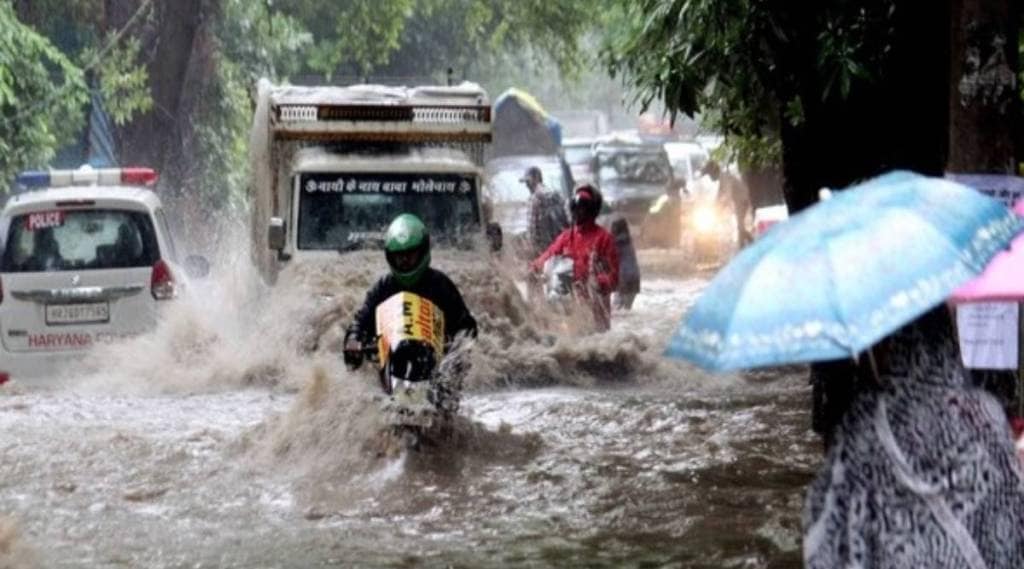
(84, 313)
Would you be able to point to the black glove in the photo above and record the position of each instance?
(352, 352)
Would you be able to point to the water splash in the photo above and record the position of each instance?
(14, 552)
(230, 331)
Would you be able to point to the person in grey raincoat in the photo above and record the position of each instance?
(629, 268)
(732, 190)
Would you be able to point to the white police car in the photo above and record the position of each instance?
(87, 260)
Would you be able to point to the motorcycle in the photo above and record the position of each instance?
(711, 232)
(420, 387)
(558, 293)
(564, 313)
(661, 226)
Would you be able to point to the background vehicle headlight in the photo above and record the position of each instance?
(704, 219)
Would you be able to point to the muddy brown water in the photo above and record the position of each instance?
(221, 441)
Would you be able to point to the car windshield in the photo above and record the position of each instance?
(75, 240)
(633, 166)
(505, 185)
(352, 210)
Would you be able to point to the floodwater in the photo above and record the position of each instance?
(232, 437)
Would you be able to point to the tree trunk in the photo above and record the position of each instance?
(983, 113)
(150, 139)
(25, 12)
(983, 92)
(899, 122)
(765, 184)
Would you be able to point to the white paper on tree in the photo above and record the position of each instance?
(1007, 189)
(988, 334)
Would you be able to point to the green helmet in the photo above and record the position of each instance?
(407, 248)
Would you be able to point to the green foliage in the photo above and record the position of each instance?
(47, 60)
(530, 43)
(220, 170)
(111, 62)
(402, 39)
(42, 95)
(253, 41)
(756, 65)
(262, 42)
(71, 25)
(122, 81)
(356, 34)
(550, 28)
(421, 38)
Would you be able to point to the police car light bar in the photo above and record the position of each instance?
(87, 177)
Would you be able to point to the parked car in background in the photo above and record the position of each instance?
(509, 196)
(767, 217)
(579, 155)
(633, 175)
(687, 160)
(87, 260)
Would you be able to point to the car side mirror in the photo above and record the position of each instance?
(494, 236)
(197, 267)
(276, 234)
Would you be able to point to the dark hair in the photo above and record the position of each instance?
(712, 169)
(932, 333)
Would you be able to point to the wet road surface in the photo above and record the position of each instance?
(619, 460)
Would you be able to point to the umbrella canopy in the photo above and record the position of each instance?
(839, 276)
(1003, 278)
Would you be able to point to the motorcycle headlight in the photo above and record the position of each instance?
(704, 219)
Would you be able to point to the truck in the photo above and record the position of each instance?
(332, 166)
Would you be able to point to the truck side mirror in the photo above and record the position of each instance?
(494, 236)
(276, 234)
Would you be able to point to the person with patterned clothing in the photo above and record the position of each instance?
(922, 471)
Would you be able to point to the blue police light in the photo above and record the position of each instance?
(85, 176)
(33, 179)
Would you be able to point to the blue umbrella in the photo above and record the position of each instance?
(841, 275)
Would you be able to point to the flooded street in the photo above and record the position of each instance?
(302, 283)
(616, 458)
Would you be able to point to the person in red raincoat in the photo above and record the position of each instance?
(592, 249)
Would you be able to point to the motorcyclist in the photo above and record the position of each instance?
(407, 249)
(592, 249)
(734, 191)
(665, 216)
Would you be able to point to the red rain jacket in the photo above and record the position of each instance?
(592, 250)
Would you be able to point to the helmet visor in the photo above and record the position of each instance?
(405, 261)
(584, 205)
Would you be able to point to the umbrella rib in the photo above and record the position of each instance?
(834, 298)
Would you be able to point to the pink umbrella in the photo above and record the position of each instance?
(1003, 278)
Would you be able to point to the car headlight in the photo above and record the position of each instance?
(704, 219)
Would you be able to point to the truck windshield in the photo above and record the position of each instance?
(353, 210)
